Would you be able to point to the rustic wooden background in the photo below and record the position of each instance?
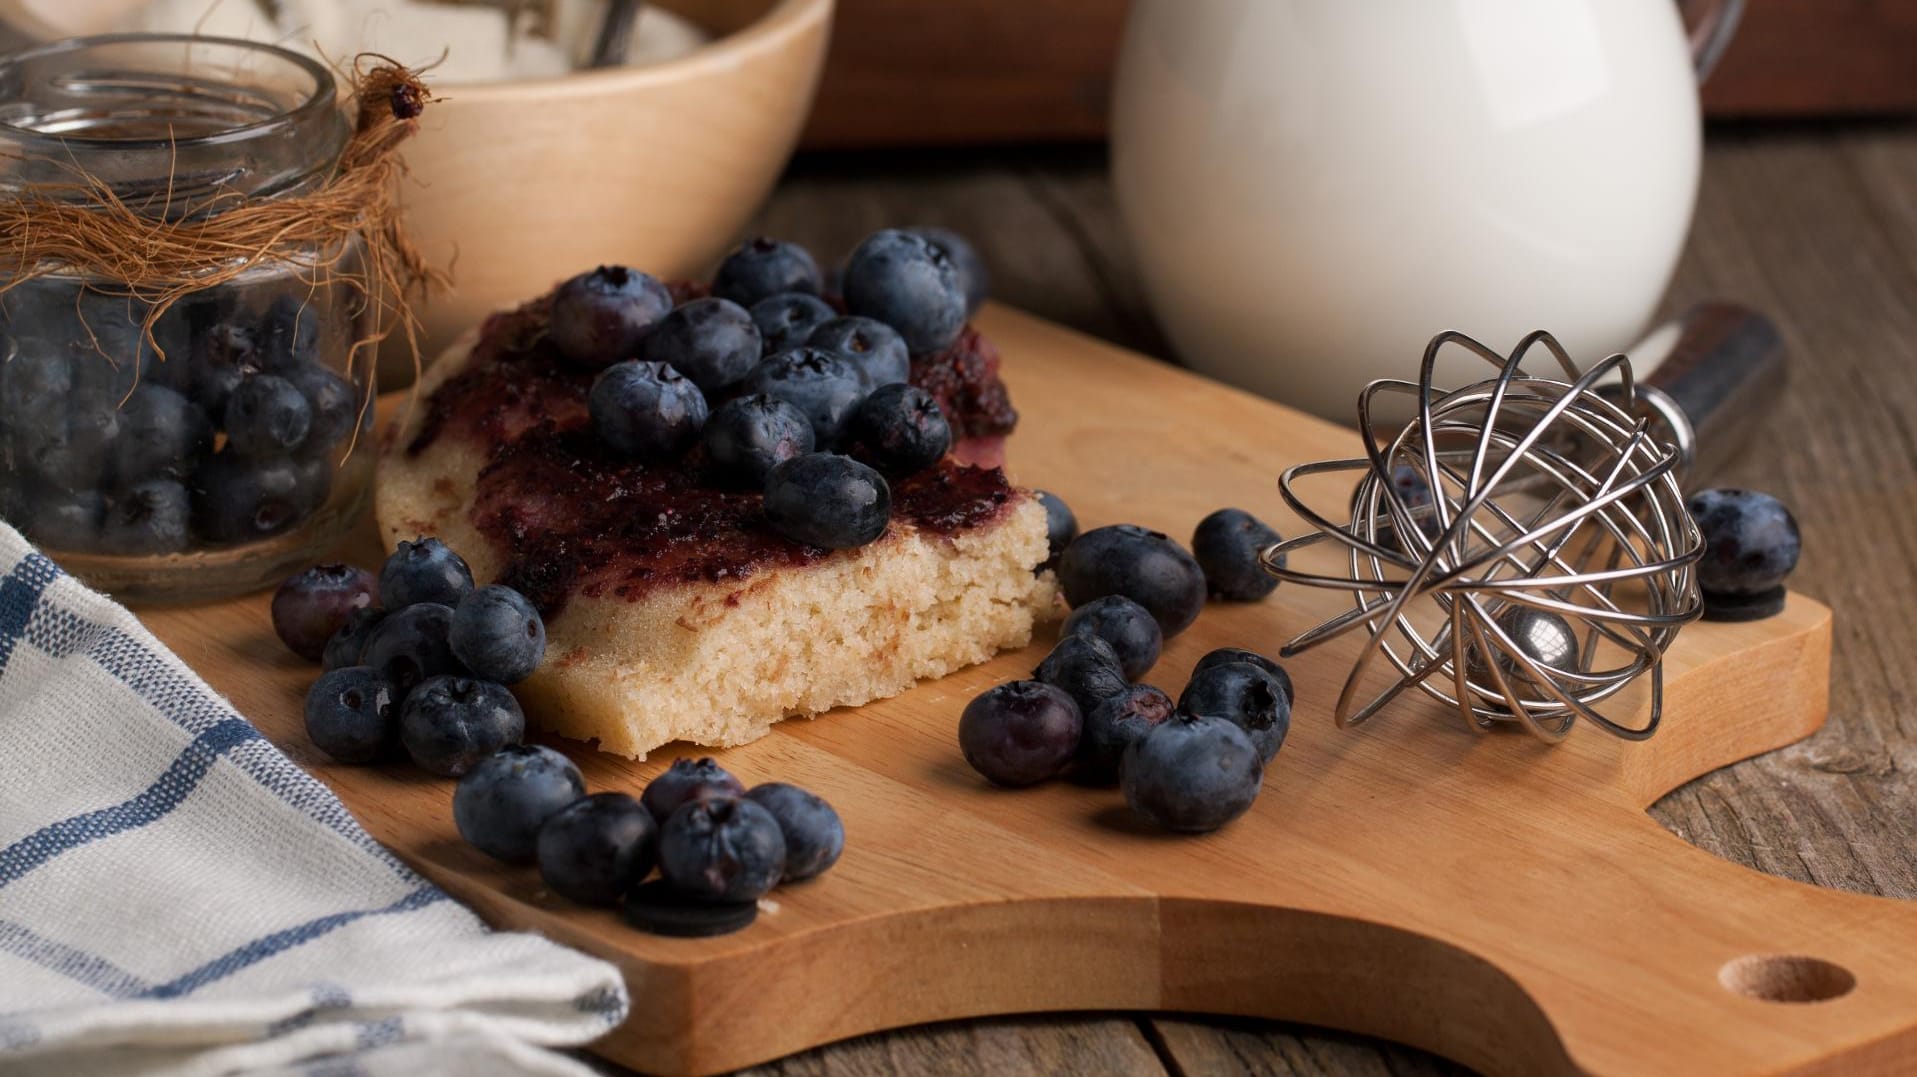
(1815, 225)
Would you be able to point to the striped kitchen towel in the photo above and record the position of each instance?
(177, 897)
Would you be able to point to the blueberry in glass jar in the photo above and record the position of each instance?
(724, 848)
(873, 347)
(497, 634)
(333, 402)
(1130, 629)
(501, 803)
(646, 410)
(786, 320)
(161, 434)
(62, 519)
(597, 848)
(906, 282)
(601, 317)
(150, 517)
(238, 499)
(711, 342)
(750, 435)
(821, 384)
(288, 336)
(449, 723)
(826, 500)
(901, 429)
(352, 714)
(423, 570)
(266, 415)
(763, 267)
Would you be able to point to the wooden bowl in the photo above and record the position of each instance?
(518, 185)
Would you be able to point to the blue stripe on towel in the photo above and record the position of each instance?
(280, 941)
(78, 965)
(19, 597)
(180, 779)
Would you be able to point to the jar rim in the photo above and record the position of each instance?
(322, 96)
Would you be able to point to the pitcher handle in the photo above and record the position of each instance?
(1713, 24)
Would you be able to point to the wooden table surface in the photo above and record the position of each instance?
(1815, 226)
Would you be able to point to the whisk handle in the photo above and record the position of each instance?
(1714, 372)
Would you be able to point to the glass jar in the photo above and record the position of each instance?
(232, 443)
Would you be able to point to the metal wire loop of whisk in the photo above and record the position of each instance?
(1542, 523)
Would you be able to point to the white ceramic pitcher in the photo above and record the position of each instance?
(1314, 188)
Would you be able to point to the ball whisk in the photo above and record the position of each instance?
(1519, 550)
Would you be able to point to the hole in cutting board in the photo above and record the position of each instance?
(1786, 978)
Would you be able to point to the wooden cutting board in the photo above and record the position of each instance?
(1501, 902)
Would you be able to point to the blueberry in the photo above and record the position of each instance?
(1192, 773)
(601, 317)
(311, 607)
(1751, 541)
(1085, 667)
(1226, 545)
(151, 517)
(352, 714)
(1061, 527)
(267, 416)
(814, 835)
(1246, 695)
(1020, 733)
(749, 435)
(646, 410)
(901, 429)
(333, 401)
(908, 283)
(64, 520)
(500, 804)
(347, 644)
(70, 447)
(497, 634)
(687, 780)
(723, 848)
(1135, 637)
(409, 645)
(822, 384)
(240, 500)
(822, 499)
(288, 337)
(1144, 566)
(1415, 492)
(597, 848)
(36, 381)
(786, 320)
(874, 347)
(763, 267)
(449, 723)
(1114, 724)
(974, 280)
(222, 356)
(712, 342)
(423, 570)
(1239, 654)
(161, 433)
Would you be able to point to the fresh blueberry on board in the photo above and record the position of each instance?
(750, 435)
(906, 282)
(1226, 545)
(1143, 565)
(598, 848)
(711, 342)
(600, 317)
(1085, 667)
(814, 834)
(1130, 629)
(1113, 725)
(646, 410)
(722, 848)
(449, 723)
(1020, 733)
(1415, 493)
(334, 403)
(659, 908)
(1751, 543)
(352, 714)
(147, 518)
(874, 347)
(1191, 773)
(823, 385)
(763, 267)
(901, 429)
(501, 803)
(423, 570)
(161, 433)
(1061, 526)
(236, 499)
(1239, 654)
(266, 416)
(410, 644)
(1249, 697)
(974, 279)
(786, 320)
(311, 607)
(347, 644)
(497, 634)
(687, 780)
(826, 500)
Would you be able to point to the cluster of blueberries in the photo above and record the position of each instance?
(1191, 766)
(781, 391)
(719, 847)
(418, 657)
(111, 449)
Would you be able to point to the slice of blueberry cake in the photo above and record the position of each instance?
(719, 534)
